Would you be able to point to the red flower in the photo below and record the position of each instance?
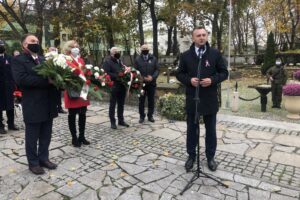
(110, 84)
(107, 77)
(96, 88)
(121, 74)
(135, 85)
(77, 71)
(88, 82)
(89, 73)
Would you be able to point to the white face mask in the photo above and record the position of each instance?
(278, 63)
(75, 51)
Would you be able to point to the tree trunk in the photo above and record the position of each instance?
(39, 7)
(169, 47)
(175, 42)
(154, 28)
(110, 36)
(254, 32)
(11, 25)
(140, 22)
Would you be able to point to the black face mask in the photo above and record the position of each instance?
(34, 48)
(145, 52)
(117, 55)
(2, 49)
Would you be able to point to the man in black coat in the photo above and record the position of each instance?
(39, 103)
(7, 87)
(113, 66)
(213, 71)
(148, 66)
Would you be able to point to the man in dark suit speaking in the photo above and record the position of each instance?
(39, 104)
(212, 71)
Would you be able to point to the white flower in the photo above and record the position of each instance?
(142, 92)
(138, 72)
(96, 69)
(139, 95)
(144, 84)
(51, 55)
(60, 60)
(136, 79)
(89, 66)
(103, 84)
(69, 58)
(102, 70)
(129, 83)
(96, 75)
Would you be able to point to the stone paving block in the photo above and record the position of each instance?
(149, 196)
(51, 196)
(235, 135)
(255, 194)
(72, 189)
(133, 193)
(211, 191)
(287, 140)
(87, 195)
(285, 158)
(153, 187)
(253, 134)
(262, 151)
(269, 187)
(109, 193)
(281, 197)
(98, 119)
(152, 175)
(284, 148)
(239, 149)
(166, 133)
(35, 189)
(131, 169)
(290, 192)
(247, 181)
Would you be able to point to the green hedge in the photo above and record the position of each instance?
(172, 106)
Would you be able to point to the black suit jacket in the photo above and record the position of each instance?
(7, 84)
(39, 100)
(148, 67)
(212, 66)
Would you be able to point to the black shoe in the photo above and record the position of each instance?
(151, 119)
(123, 124)
(141, 120)
(212, 165)
(37, 170)
(13, 128)
(84, 141)
(189, 163)
(48, 164)
(113, 126)
(2, 131)
(76, 143)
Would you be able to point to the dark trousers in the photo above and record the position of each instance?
(210, 135)
(37, 141)
(149, 93)
(10, 118)
(81, 122)
(117, 96)
(276, 94)
(59, 107)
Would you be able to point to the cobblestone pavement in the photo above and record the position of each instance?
(258, 159)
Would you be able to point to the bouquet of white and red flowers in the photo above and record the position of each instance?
(98, 80)
(56, 68)
(132, 80)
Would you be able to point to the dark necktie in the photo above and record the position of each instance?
(36, 60)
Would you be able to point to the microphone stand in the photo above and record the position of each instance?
(196, 121)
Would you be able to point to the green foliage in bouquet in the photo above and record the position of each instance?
(62, 77)
(172, 106)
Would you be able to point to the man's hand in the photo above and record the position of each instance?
(205, 82)
(50, 81)
(150, 78)
(195, 82)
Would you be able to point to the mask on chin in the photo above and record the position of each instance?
(75, 52)
(34, 48)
